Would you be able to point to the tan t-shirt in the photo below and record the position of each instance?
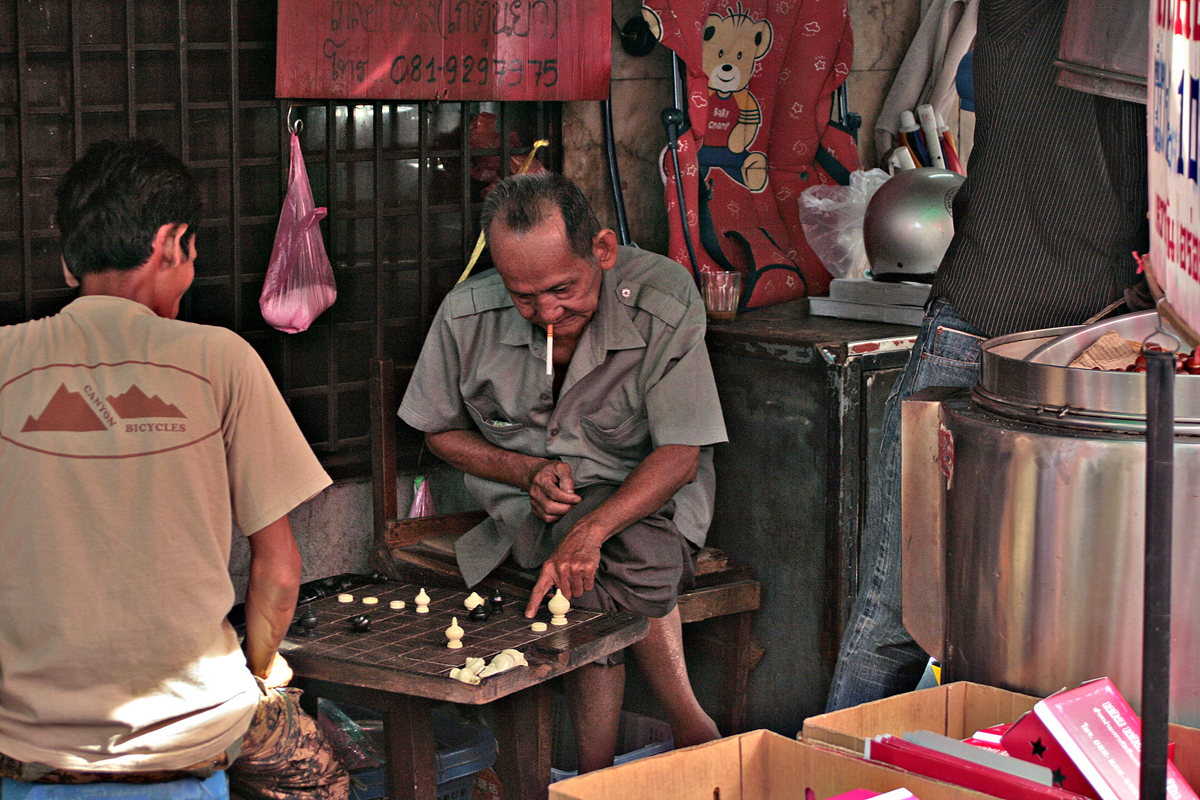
(128, 443)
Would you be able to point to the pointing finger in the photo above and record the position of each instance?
(544, 582)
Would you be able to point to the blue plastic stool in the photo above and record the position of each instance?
(214, 788)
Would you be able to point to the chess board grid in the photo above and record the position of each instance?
(405, 640)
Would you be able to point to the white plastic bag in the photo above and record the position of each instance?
(299, 284)
(832, 218)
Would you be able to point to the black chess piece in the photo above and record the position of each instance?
(479, 613)
(360, 623)
(497, 602)
(308, 622)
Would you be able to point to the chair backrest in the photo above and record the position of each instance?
(390, 530)
(384, 403)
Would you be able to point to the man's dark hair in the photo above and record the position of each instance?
(113, 201)
(522, 202)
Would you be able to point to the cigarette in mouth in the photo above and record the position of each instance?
(549, 349)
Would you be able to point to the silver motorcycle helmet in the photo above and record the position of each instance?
(908, 224)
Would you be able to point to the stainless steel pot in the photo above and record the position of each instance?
(1023, 526)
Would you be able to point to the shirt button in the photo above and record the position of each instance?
(554, 431)
(544, 396)
(625, 293)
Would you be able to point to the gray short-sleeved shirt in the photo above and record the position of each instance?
(640, 378)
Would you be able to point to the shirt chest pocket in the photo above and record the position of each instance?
(495, 426)
(624, 434)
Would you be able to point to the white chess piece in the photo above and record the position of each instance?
(454, 633)
(559, 606)
(499, 663)
(504, 660)
(464, 675)
(422, 601)
(473, 599)
(518, 658)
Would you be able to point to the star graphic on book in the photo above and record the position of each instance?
(1039, 749)
(1057, 777)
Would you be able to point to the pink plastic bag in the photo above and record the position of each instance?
(299, 284)
(422, 504)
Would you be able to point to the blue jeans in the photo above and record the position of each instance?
(878, 657)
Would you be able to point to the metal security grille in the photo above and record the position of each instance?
(403, 182)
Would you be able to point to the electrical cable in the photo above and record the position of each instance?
(672, 120)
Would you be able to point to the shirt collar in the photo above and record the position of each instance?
(610, 328)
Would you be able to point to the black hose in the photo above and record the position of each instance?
(675, 120)
(1156, 634)
(614, 171)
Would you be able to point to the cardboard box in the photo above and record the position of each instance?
(956, 710)
(759, 765)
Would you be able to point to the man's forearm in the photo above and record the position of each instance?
(270, 593)
(652, 483)
(572, 566)
(468, 451)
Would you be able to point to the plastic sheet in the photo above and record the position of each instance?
(832, 217)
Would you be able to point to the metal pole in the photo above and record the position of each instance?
(1156, 636)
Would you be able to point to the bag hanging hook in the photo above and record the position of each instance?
(294, 127)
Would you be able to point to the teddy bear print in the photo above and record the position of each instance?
(732, 45)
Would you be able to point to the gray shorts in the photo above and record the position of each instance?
(642, 568)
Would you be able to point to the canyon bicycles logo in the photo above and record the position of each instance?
(117, 410)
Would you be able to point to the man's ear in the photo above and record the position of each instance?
(167, 247)
(68, 277)
(604, 248)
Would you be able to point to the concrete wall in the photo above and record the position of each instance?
(334, 530)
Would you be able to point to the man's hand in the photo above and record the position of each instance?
(552, 490)
(571, 567)
(279, 675)
(270, 593)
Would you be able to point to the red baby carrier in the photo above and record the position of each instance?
(761, 77)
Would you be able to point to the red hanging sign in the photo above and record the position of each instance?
(444, 49)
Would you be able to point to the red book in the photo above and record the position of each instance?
(1029, 740)
(990, 738)
(969, 775)
(1098, 731)
(866, 794)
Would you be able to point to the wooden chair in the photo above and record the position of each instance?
(725, 592)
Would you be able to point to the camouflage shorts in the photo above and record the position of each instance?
(283, 755)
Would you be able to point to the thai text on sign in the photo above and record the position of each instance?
(1173, 131)
(444, 49)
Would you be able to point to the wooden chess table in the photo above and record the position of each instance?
(401, 667)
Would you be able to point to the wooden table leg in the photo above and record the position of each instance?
(409, 749)
(523, 736)
(735, 672)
